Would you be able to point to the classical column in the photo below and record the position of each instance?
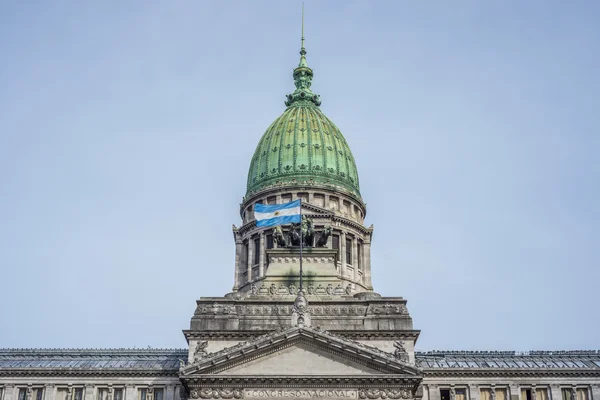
(355, 258)
(250, 257)
(366, 265)
(261, 261)
(239, 248)
(343, 252)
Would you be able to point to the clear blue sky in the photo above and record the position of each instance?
(126, 130)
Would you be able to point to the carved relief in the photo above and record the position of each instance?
(400, 352)
(384, 394)
(387, 308)
(206, 393)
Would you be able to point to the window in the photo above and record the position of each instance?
(445, 394)
(269, 241)
(151, 394)
(538, 394)
(526, 394)
(582, 394)
(348, 251)
(500, 394)
(272, 200)
(485, 394)
(256, 251)
(566, 394)
(36, 393)
(461, 394)
(105, 394)
(335, 243)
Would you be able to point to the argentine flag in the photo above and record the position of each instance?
(277, 214)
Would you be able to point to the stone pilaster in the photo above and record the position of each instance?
(170, 392)
(49, 392)
(355, 258)
(250, 257)
(88, 392)
(343, 252)
(473, 392)
(130, 393)
(261, 261)
(595, 389)
(366, 265)
(239, 249)
(514, 392)
(434, 392)
(555, 393)
(10, 393)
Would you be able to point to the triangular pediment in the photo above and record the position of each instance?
(300, 351)
(301, 359)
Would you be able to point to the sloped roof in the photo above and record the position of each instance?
(583, 359)
(160, 361)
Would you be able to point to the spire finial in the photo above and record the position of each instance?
(302, 25)
(302, 49)
(303, 79)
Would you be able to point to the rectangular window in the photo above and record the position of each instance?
(461, 394)
(36, 394)
(151, 394)
(335, 243)
(348, 251)
(526, 394)
(566, 394)
(256, 251)
(269, 241)
(78, 394)
(541, 394)
(485, 394)
(500, 394)
(272, 200)
(582, 394)
(445, 394)
(105, 394)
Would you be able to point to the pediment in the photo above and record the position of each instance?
(301, 359)
(300, 351)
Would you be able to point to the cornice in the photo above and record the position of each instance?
(510, 373)
(275, 341)
(349, 334)
(303, 381)
(94, 372)
(87, 352)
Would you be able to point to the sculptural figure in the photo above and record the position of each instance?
(308, 231)
(324, 236)
(200, 351)
(279, 237)
(400, 353)
(295, 235)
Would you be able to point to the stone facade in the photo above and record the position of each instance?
(336, 339)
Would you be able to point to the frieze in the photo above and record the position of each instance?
(300, 394)
(387, 309)
(319, 310)
(384, 394)
(207, 393)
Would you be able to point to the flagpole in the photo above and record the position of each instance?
(301, 240)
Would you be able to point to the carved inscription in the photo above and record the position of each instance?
(300, 394)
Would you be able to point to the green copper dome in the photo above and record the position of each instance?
(303, 146)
